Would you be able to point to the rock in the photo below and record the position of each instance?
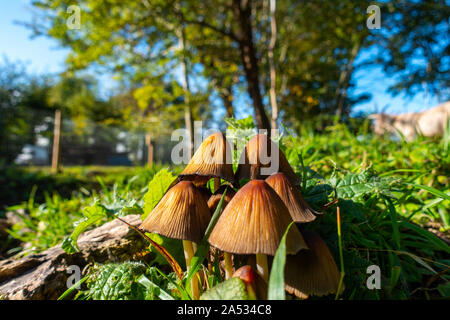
(44, 275)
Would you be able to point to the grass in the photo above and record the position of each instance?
(17, 183)
(379, 196)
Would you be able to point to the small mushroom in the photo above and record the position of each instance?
(213, 201)
(183, 214)
(298, 208)
(313, 271)
(211, 160)
(255, 285)
(261, 158)
(254, 222)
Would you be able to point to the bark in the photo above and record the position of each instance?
(344, 81)
(227, 98)
(273, 74)
(185, 83)
(44, 275)
(242, 13)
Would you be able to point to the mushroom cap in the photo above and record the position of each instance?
(212, 159)
(182, 213)
(254, 221)
(298, 207)
(213, 201)
(313, 271)
(258, 160)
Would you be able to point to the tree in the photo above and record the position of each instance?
(309, 71)
(415, 43)
(137, 40)
(23, 105)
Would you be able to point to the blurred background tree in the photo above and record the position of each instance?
(174, 62)
(24, 106)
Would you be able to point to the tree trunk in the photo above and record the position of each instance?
(227, 98)
(185, 83)
(242, 13)
(273, 74)
(56, 140)
(344, 81)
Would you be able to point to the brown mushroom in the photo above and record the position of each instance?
(254, 222)
(261, 158)
(214, 199)
(298, 208)
(183, 214)
(313, 271)
(213, 159)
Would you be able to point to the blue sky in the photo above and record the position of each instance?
(43, 55)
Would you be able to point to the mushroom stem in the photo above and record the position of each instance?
(188, 254)
(228, 265)
(262, 267)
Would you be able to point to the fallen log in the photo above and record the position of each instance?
(44, 275)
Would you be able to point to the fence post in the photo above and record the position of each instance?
(148, 142)
(56, 140)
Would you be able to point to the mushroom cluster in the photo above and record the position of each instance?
(254, 218)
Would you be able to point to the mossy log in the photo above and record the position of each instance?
(44, 275)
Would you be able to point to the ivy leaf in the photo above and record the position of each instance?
(156, 190)
(232, 289)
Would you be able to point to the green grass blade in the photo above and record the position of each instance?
(163, 295)
(203, 247)
(394, 222)
(73, 288)
(430, 190)
(276, 289)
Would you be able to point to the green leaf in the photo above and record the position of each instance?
(134, 209)
(240, 124)
(444, 289)
(356, 185)
(231, 289)
(276, 289)
(92, 215)
(156, 190)
(157, 290)
(173, 246)
(117, 281)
